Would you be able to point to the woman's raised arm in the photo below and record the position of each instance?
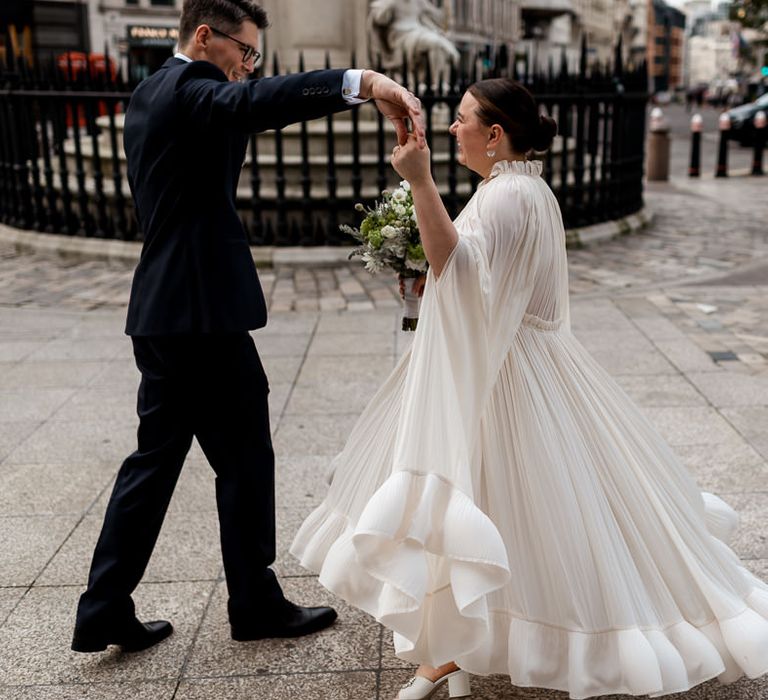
(438, 234)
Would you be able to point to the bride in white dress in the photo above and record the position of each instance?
(501, 504)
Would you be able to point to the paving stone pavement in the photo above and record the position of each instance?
(677, 314)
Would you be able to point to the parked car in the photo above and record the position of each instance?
(742, 120)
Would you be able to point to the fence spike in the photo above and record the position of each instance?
(427, 76)
(70, 74)
(87, 72)
(321, 234)
(10, 56)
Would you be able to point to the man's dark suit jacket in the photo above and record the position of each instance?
(186, 132)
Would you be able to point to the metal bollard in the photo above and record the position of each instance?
(757, 159)
(658, 146)
(724, 124)
(697, 124)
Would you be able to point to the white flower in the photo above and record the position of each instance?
(359, 207)
(390, 231)
(413, 218)
(395, 248)
(400, 210)
(372, 264)
(399, 195)
(420, 265)
(405, 185)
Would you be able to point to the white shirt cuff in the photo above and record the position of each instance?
(350, 86)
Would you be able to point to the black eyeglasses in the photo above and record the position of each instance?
(248, 51)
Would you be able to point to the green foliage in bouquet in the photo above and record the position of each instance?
(389, 235)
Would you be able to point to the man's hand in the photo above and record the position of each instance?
(396, 104)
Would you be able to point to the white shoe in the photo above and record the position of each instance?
(420, 688)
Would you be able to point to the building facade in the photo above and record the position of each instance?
(144, 32)
(666, 43)
(338, 27)
(41, 30)
(483, 26)
(141, 34)
(638, 42)
(711, 57)
(555, 28)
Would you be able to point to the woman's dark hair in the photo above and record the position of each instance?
(225, 15)
(507, 103)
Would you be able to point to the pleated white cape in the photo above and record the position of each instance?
(502, 503)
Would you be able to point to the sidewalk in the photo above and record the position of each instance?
(676, 314)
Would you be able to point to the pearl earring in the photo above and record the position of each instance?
(490, 154)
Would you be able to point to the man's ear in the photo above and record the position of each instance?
(202, 35)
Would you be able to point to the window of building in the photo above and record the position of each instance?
(462, 12)
(164, 3)
(60, 27)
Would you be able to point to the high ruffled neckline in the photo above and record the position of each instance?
(519, 167)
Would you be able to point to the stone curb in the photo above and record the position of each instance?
(608, 230)
(79, 248)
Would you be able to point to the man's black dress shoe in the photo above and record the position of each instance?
(135, 637)
(291, 621)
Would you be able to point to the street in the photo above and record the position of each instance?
(677, 313)
(739, 157)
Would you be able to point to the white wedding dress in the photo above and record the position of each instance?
(502, 503)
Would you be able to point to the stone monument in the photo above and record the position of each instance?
(410, 29)
(367, 28)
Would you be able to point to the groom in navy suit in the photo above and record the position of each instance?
(195, 296)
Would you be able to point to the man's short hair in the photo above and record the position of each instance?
(226, 15)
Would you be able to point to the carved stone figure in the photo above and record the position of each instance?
(410, 28)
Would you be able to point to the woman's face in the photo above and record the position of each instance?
(472, 136)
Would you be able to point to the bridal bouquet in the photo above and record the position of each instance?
(389, 239)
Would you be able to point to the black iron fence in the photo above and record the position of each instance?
(62, 166)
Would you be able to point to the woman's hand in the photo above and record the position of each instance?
(412, 162)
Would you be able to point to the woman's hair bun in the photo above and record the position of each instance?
(544, 133)
(508, 103)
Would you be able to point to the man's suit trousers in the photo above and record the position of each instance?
(212, 387)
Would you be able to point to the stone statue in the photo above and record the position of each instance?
(410, 28)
